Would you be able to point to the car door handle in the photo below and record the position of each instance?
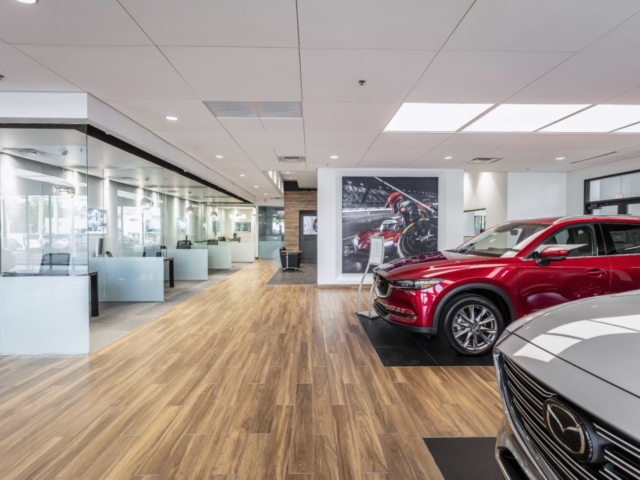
(596, 272)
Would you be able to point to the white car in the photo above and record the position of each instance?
(571, 391)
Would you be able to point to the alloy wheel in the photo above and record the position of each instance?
(475, 328)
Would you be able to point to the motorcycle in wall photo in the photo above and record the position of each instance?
(404, 211)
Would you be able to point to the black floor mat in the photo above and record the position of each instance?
(400, 348)
(307, 275)
(465, 458)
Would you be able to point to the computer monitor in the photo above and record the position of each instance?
(222, 239)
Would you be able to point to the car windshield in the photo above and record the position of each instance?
(388, 226)
(502, 241)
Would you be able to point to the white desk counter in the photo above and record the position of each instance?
(129, 279)
(243, 252)
(189, 264)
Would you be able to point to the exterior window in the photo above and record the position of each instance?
(579, 240)
(624, 238)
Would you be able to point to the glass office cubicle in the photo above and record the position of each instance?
(72, 203)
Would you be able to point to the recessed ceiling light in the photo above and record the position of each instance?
(242, 174)
(28, 1)
(448, 158)
(171, 118)
(256, 186)
(334, 157)
(287, 172)
(434, 117)
(219, 156)
(598, 119)
(561, 158)
(265, 193)
(521, 118)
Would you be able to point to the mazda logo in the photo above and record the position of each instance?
(568, 430)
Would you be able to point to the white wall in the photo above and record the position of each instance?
(575, 181)
(487, 190)
(450, 214)
(533, 194)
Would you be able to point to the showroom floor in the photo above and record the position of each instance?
(118, 318)
(246, 381)
(307, 275)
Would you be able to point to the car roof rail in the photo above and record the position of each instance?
(587, 216)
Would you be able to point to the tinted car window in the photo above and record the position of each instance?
(502, 241)
(624, 238)
(579, 240)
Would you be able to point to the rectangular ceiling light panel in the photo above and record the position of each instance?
(521, 118)
(598, 119)
(434, 117)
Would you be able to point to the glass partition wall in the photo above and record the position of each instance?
(72, 205)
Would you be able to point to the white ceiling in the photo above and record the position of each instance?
(152, 58)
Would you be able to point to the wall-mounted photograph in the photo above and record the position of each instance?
(181, 225)
(96, 220)
(403, 210)
(242, 226)
(309, 225)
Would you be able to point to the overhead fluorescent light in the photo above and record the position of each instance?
(434, 117)
(171, 118)
(30, 2)
(598, 119)
(521, 117)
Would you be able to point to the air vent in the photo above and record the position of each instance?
(255, 109)
(22, 151)
(232, 109)
(279, 109)
(123, 179)
(484, 160)
(292, 159)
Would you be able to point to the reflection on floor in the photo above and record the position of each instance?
(308, 276)
(398, 348)
(460, 458)
(118, 318)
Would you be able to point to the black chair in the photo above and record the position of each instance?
(152, 251)
(222, 239)
(109, 254)
(184, 244)
(55, 264)
(289, 260)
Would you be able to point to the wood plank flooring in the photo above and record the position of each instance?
(243, 381)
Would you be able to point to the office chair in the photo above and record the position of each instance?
(109, 254)
(51, 260)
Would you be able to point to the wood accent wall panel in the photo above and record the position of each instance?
(294, 202)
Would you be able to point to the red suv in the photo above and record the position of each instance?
(507, 272)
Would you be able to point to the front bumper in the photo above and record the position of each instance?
(512, 457)
(390, 317)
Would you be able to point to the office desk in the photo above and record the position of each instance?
(172, 282)
(95, 299)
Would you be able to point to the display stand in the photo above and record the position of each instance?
(376, 257)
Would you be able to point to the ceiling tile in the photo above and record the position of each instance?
(239, 74)
(269, 140)
(69, 22)
(333, 75)
(198, 139)
(346, 158)
(538, 26)
(395, 158)
(481, 77)
(337, 140)
(192, 115)
(611, 141)
(390, 141)
(623, 38)
(590, 77)
(282, 124)
(21, 73)
(401, 24)
(541, 142)
(232, 23)
(242, 124)
(478, 142)
(115, 73)
(350, 117)
(308, 179)
(229, 155)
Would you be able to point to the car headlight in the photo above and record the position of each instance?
(416, 284)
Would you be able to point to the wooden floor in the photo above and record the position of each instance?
(243, 381)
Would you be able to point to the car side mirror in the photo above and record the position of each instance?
(551, 254)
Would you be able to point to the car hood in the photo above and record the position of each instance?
(600, 336)
(430, 264)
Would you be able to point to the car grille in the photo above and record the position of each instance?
(382, 286)
(525, 397)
